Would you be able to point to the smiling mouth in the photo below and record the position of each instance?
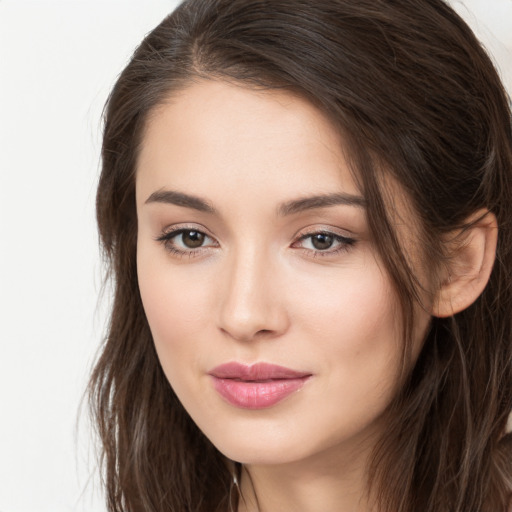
(257, 386)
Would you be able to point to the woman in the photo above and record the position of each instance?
(306, 209)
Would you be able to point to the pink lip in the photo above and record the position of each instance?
(257, 386)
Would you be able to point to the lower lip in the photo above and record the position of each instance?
(257, 395)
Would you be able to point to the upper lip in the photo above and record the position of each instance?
(255, 372)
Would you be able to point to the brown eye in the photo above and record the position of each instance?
(322, 241)
(192, 239)
(187, 241)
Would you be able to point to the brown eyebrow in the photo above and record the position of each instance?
(321, 201)
(287, 208)
(180, 199)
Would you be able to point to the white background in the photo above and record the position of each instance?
(58, 60)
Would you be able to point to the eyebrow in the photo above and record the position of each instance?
(320, 201)
(180, 199)
(285, 209)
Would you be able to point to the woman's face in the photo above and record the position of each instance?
(272, 316)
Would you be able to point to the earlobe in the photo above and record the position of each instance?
(470, 265)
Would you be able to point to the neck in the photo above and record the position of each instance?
(320, 482)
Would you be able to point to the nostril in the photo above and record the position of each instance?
(248, 335)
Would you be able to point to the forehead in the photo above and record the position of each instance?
(213, 133)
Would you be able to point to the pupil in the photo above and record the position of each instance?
(193, 239)
(322, 241)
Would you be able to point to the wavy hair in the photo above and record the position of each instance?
(415, 97)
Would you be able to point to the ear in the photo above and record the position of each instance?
(470, 265)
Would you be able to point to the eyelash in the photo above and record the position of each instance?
(344, 243)
(166, 239)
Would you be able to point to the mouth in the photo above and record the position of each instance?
(256, 386)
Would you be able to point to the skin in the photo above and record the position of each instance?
(258, 289)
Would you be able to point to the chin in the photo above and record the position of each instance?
(265, 443)
(261, 455)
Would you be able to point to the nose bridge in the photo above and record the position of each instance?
(250, 303)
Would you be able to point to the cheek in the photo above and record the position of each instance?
(355, 311)
(354, 328)
(176, 307)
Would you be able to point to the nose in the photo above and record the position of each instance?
(251, 299)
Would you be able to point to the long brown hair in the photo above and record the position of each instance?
(415, 97)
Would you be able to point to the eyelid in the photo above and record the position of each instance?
(325, 229)
(169, 233)
(345, 241)
(186, 226)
